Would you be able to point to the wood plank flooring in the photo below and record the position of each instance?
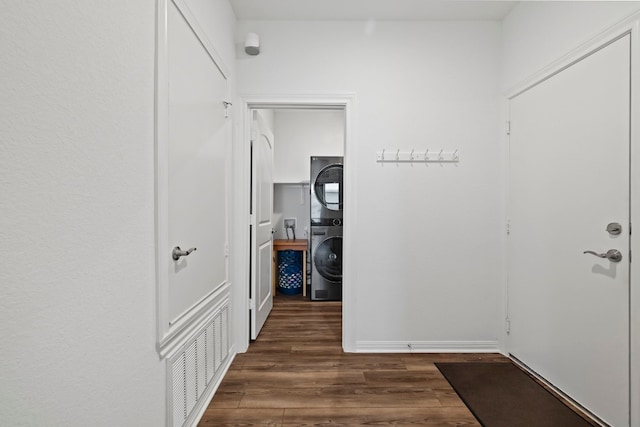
(295, 374)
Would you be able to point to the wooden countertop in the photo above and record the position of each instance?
(284, 244)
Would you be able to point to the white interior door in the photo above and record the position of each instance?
(197, 200)
(570, 178)
(261, 298)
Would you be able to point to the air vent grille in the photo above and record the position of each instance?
(209, 352)
(195, 367)
(179, 391)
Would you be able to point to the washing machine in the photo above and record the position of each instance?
(326, 262)
(326, 189)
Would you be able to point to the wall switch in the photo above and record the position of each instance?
(289, 223)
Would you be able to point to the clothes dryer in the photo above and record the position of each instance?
(326, 263)
(326, 188)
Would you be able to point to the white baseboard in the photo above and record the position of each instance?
(427, 347)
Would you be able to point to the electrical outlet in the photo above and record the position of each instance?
(289, 223)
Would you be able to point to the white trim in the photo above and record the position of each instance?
(629, 25)
(161, 166)
(427, 347)
(182, 331)
(503, 334)
(191, 19)
(188, 314)
(349, 326)
(240, 222)
(594, 44)
(634, 298)
(330, 100)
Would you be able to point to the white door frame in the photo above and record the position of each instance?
(241, 171)
(632, 27)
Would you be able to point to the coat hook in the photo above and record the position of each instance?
(382, 155)
(398, 154)
(426, 154)
(411, 155)
(455, 155)
(440, 154)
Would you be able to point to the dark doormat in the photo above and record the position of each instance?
(501, 394)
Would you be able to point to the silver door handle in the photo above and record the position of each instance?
(176, 253)
(612, 255)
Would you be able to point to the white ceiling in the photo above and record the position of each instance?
(315, 10)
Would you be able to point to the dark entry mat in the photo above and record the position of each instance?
(501, 394)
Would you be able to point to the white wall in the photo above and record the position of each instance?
(78, 306)
(301, 134)
(291, 201)
(427, 239)
(535, 34)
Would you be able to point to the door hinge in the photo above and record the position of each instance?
(508, 227)
(508, 325)
(226, 104)
(252, 304)
(508, 127)
(226, 249)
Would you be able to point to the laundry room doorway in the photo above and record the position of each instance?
(301, 129)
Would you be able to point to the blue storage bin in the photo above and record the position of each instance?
(290, 272)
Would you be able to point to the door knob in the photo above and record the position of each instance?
(176, 253)
(612, 255)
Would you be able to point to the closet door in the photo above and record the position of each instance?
(569, 179)
(261, 224)
(196, 215)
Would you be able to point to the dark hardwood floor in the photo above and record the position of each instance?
(295, 374)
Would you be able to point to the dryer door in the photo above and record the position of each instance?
(328, 187)
(327, 259)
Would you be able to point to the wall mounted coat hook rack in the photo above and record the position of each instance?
(409, 156)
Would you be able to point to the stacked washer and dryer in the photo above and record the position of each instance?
(326, 228)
